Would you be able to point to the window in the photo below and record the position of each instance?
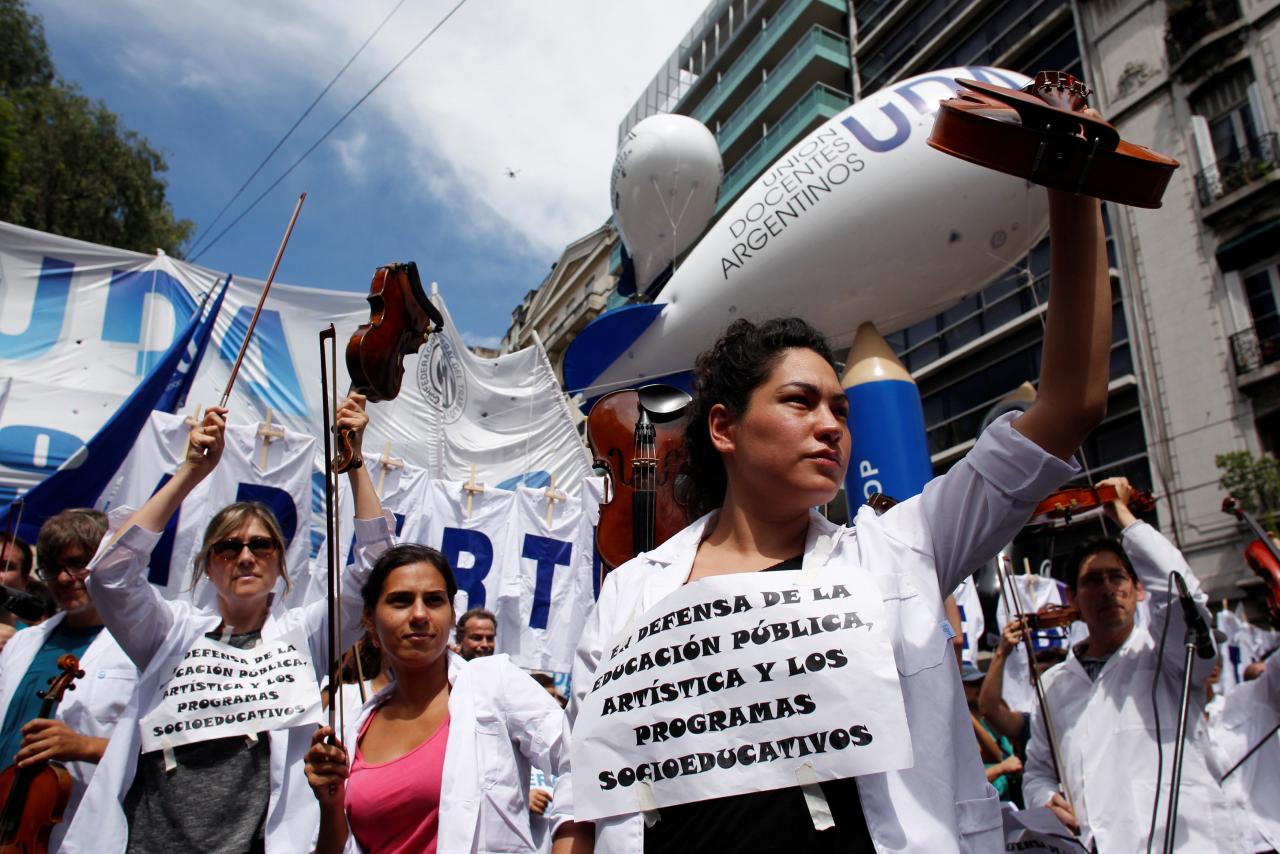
(1226, 110)
(1261, 287)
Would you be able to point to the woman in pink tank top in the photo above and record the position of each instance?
(421, 781)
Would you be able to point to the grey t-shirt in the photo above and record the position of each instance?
(214, 801)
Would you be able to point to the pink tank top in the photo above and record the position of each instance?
(394, 807)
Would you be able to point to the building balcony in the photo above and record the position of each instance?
(820, 57)
(819, 104)
(1254, 166)
(763, 52)
(1255, 353)
(1198, 33)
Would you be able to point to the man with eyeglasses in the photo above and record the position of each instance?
(77, 734)
(1115, 757)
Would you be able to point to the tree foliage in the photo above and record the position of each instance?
(1254, 482)
(66, 164)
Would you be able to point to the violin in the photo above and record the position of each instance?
(36, 796)
(637, 439)
(1068, 503)
(1052, 617)
(1262, 555)
(1040, 133)
(400, 319)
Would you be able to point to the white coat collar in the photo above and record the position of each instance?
(674, 559)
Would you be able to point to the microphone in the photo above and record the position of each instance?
(21, 604)
(1194, 619)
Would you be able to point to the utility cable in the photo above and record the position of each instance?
(331, 129)
(290, 131)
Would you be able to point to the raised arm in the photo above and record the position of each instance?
(1075, 368)
(373, 535)
(132, 609)
(204, 450)
(991, 704)
(1153, 558)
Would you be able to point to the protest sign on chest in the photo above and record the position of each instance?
(217, 690)
(547, 594)
(740, 683)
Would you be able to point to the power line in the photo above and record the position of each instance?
(290, 131)
(334, 127)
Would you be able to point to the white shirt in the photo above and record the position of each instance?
(1247, 713)
(92, 709)
(501, 723)
(913, 554)
(1107, 731)
(156, 633)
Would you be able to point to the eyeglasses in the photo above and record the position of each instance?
(231, 549)
(74, 568)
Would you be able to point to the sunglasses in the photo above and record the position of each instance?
(231, 549)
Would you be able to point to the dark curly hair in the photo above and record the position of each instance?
(727, 374)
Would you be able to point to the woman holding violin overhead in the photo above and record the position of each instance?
(767, 442)
(236, 793)
(442, 754)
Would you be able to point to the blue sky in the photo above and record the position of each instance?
(419, 171)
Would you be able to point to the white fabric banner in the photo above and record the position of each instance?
(506, 416)
(218, 690)
(476, 543)
(724, 688)
(81, 324)
(1244, 644)
(972, 622)
(546, 597)
(284, 486)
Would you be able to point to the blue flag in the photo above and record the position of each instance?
(175, 393)
(83, 477)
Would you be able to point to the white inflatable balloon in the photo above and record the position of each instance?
(666, 178)
(860, 221)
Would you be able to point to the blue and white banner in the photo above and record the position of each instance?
(81, 325)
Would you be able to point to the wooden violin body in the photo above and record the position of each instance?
(637, 438)
(1066, 504)
(1262, 555)
(1040, 134)
(400, 318)
(1053, 617)
(35, 797)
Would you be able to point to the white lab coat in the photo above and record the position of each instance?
(91, 709)
(500, 723)
(1248, 712)
(156, 633)
(1108, 735)
(914, 554)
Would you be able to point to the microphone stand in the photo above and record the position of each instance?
(1179, 747)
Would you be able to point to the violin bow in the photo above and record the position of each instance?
(328, 359)
(248, 335)
(1010, 593)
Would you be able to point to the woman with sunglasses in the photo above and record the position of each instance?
(767, 441)
(233, 794)
(442, 754)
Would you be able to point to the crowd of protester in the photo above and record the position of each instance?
(450, 747)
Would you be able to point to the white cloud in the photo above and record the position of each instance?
(472, 339)
(534, 86)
